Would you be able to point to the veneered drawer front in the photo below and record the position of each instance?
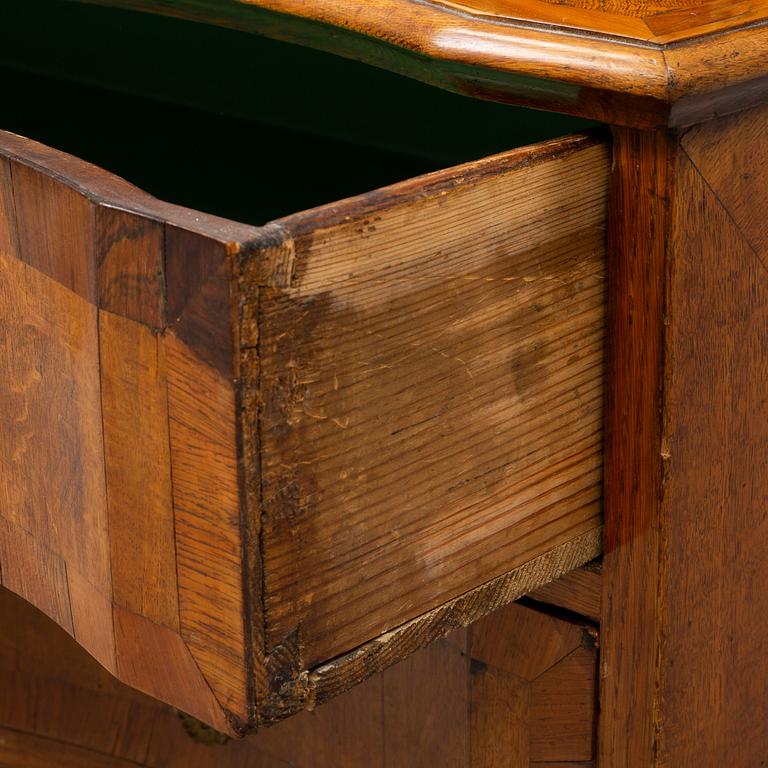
(247, 467)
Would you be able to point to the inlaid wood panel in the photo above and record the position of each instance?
(89, 532)
(438, 707)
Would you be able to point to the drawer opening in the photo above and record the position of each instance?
(231, 123)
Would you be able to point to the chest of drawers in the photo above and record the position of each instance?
(248, 466)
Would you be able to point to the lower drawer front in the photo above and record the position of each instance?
(474, 699)
(247, 467)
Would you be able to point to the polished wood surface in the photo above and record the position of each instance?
(655, 22)
(630, 63)
(234, 525)
(682, 658)
(58, 708)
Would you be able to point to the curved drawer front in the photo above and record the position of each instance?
(247, 467)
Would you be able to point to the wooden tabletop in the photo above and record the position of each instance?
(644, 62)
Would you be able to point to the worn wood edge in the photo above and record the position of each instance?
(105, 190)
(553, 66)
(109, 190)
(311, 688)
(700, 90)
(432, 184)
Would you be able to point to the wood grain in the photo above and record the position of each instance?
(35, 573)
(130, 266)
(578, 591)
(685, 546)
(88, 528)
(8, 237)
(425, 702)
(532, 703)
(716, 402)
(433, 709)
(643, 64)
(563, 709)
(328, 680)
(136, 443)
(203, 446)
(55, 230)
(50, 360)
(168, 671)
(639, 231)
(480, 333)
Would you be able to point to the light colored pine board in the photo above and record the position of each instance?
(330, 679)
(431, 390)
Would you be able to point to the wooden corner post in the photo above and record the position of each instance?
(684, 668)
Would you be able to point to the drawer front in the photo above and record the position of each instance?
(247, 467)
(474, 699)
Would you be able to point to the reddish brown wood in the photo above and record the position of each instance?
(130, 268)
(8, 238)
(55, 228)
(578, 591)
(430, 390)
(533, 690)
(683, 668)
(637, 243)
(141, 528)
(425, 706)
(439, 707)
(207, 522)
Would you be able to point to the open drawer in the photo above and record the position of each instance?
(246, 467)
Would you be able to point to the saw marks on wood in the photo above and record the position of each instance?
(431, 390)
